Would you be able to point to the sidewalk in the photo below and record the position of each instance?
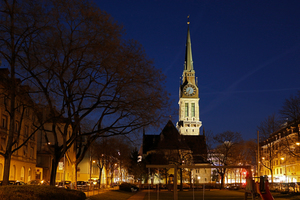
(138, 196)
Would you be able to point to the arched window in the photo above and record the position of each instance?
(13, 172)
(29, 175)
(22, 173)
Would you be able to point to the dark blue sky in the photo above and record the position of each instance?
(246, 53)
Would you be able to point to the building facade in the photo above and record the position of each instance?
(31, 161)
(280, 155)
(23, 160)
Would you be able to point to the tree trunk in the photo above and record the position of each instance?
(6, 171)
(166, 177)
(181, 188)
(53, 171)
(75, 176)
(11, 132)
(190, 174)
(100, 176)
(107, 181)
(222, 180)
(112, 177)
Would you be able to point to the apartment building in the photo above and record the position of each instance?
(280, 154)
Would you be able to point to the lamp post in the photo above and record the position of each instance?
(284, 159)
(258, 169)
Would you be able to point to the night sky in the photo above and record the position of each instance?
(246, 54)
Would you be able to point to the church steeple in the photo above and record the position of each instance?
(189, 117)
(188, 75)
(188, 65)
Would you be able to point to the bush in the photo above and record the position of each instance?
(128, 187)
(39, 192)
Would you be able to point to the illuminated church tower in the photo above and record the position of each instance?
(189, 120)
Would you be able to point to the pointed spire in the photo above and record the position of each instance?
(188, 65)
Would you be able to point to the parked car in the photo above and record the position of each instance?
(64, 184)
(20, 183)
(232, 187)
(34, 182)
(43, 182)
(11, 182)
(82, 185)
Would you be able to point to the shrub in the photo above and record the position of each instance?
(39, 192)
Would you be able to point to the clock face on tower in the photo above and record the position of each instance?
(189, 90)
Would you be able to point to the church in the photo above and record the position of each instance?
(182, 144)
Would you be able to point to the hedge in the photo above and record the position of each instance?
(39, 192)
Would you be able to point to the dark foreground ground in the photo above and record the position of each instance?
(214, 195)
(187, 195)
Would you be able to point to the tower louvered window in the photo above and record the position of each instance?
(186, 109)
(193, 109)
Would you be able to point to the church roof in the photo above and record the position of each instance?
(170, 139)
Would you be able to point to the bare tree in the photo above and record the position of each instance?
(103, 149)
(19, 20)
(268, 126)
(290, 110)
(79, 67)
(245, 154)
(225, 151)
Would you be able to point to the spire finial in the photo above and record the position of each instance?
(188, 17)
